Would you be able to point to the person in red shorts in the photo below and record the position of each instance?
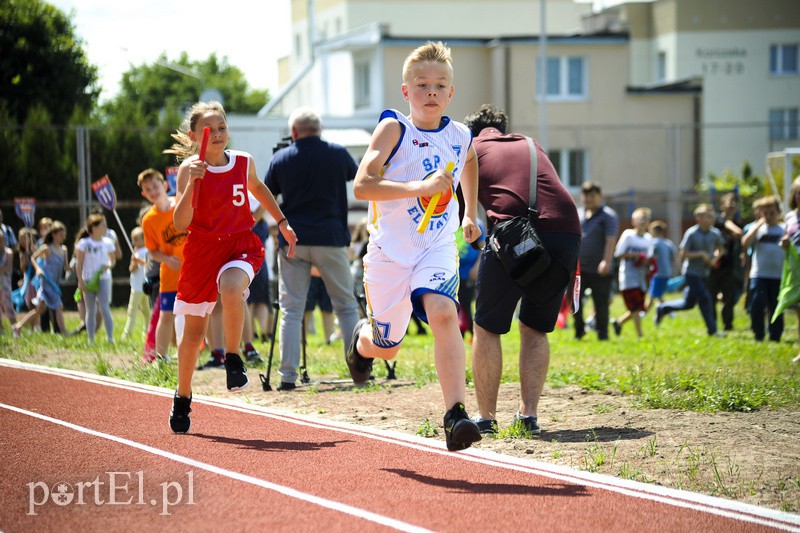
(635, 251)
(221, 254)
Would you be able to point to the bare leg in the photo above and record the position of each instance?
(232, 284)
(448, 347)
(487, 367)
(165, 331)
(534, 359)
(637, 320)
(193, 333)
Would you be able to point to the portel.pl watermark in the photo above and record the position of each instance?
(113, 488)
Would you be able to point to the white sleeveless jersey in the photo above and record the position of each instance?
(417, 156)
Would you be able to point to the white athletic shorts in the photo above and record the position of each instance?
(393, 290)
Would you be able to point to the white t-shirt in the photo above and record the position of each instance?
(631, 274)
(138, 275)
(95, 256)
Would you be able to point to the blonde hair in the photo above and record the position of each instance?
(185, 146)
(657, 227)
(137, 232)
(430, 51)
(768, 201)
(703, 208)
(642, 212)
(149, 174)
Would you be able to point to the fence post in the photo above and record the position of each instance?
(674, 202)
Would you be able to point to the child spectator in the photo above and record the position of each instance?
(406, 163)
(164, 244)
(700, 250)
(221, 253)
(95, 259)
(138, 302)
(664, 254)
(635, 251)
(6, 266)
(766, 266)
(50, 261)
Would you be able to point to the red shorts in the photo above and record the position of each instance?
(634, 299)
(205, 258)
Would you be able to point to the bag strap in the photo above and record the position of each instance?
(532, 211)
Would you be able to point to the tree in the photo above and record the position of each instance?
(166, 86)
(43, 166)
(42, 61)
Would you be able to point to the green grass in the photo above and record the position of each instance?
(676, 366)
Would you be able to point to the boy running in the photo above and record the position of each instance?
(405, 270)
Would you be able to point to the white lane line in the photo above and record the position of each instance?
(680, 498)
(287, 491)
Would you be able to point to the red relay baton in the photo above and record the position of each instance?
(202, 157)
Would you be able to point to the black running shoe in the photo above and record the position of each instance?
(179, 420)
(459, 431)
(286, 386)
(236, 373)
(251, 354)
(487, 426)
(360, 367)
(617, 327)
(217, 360)
(531, 423)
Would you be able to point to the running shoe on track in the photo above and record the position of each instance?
(459, 431)
(236, 373)
(179, 420)
(360, 367)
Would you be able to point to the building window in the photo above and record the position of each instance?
(362, 85)
(570, 166)
(783, 59)
(661, 66)
(783, 124)
(566, 78)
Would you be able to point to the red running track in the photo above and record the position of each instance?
(66, 437)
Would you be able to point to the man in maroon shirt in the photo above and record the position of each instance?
(503, 191)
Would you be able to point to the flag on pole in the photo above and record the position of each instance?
(25, 209)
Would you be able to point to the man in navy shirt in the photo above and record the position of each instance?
(311, 175)
(599, 224)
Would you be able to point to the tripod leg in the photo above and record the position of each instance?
(265, 379)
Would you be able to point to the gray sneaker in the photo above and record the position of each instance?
(531, 423)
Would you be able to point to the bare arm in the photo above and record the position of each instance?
(188, 174)
(369, 183)
(469, 187)
(265, 198)
(750, 237)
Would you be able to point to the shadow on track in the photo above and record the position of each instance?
(265, 445)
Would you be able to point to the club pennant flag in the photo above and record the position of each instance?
(576, 289)
(25, 209)
(789, 293)
(105, 193)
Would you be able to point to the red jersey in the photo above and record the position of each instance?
(223, 207)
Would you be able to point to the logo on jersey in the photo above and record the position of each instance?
(420, 144)
(438, 276)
